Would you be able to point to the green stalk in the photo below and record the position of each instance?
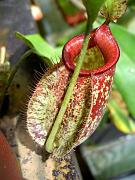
(50, 141)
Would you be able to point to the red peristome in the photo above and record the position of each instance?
(100, 37)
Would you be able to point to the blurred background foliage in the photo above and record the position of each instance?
(109, 153)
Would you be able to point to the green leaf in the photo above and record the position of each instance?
(131, 2)
(71, 32)
(92, 8)
(125, 39)
(120, 120)
(125, 71)
(113, 159)
(125, 80)
(67, 7)
(41, 47)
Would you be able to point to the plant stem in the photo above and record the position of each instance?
(50, 141)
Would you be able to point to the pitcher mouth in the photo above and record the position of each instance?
(101, 38)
